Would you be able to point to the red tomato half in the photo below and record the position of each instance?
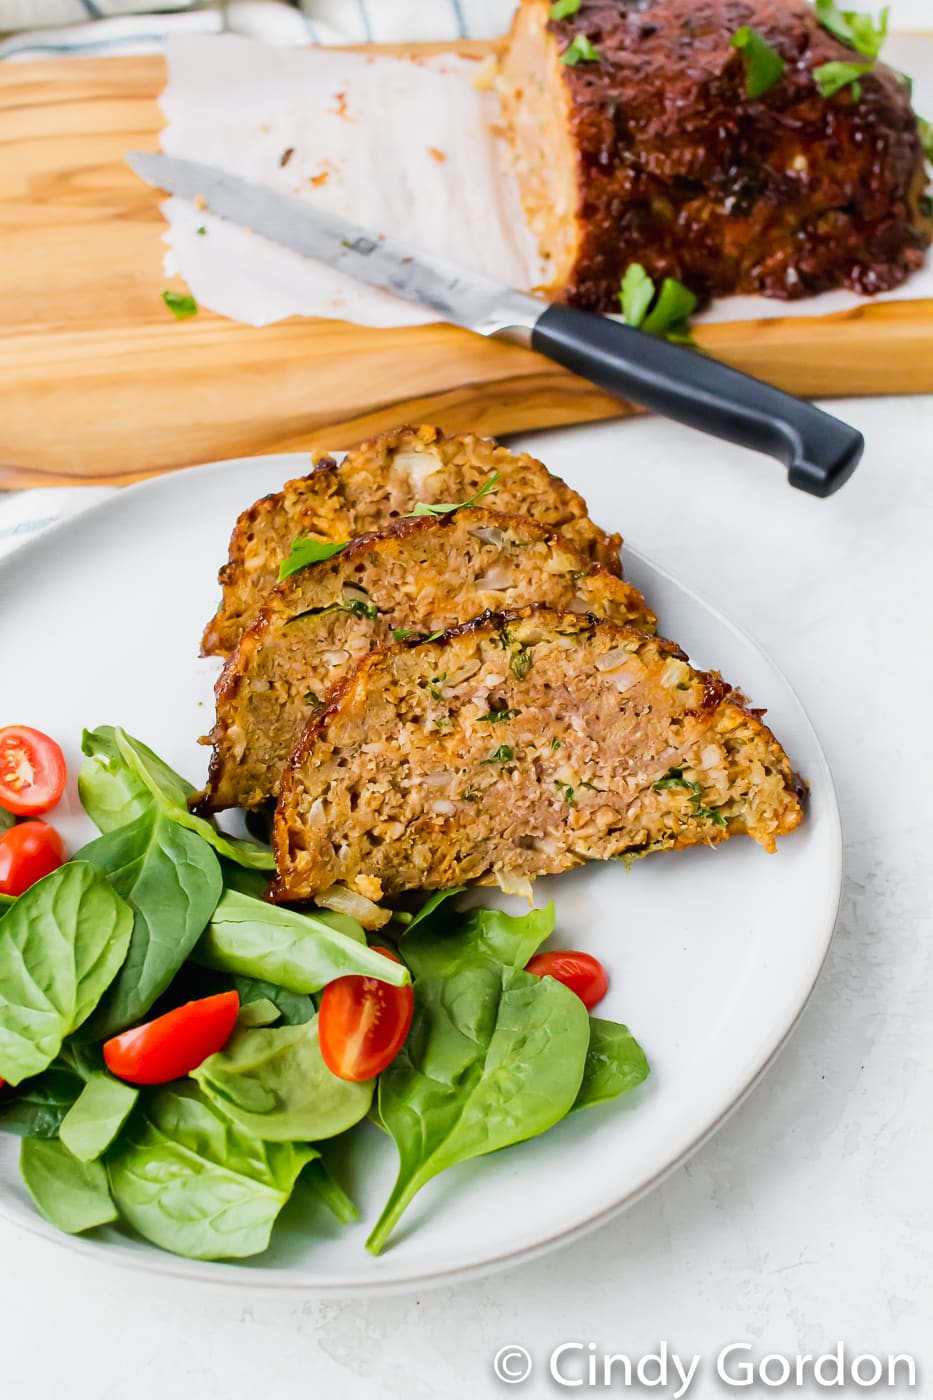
(362, 1024)
(581, 972)
(32, 771)
(27, 852)
(174, 1044)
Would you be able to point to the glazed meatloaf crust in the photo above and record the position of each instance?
(376, 483)
(419, 576)
(604, 743)
(653, 153)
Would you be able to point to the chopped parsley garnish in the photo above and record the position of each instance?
(555, 744)
(567, 790)
(304, 552)
(434, 687)
(470, 796)
(201, 231)
(496, 716)
(521, 662)
(446, 508)
(859, 31)
(670, 314)
(503, 754)
(311, 699)
(764, 66)
(563, 9)
(443, 723)
(831, 78)
(579, 50)
(674, 778)
(181, 305)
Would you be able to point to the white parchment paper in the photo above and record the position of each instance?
(400, 146)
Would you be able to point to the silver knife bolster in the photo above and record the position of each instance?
(511, 316)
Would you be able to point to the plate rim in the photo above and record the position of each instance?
(282, 1279)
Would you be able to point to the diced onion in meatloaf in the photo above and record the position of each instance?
(421, 575)
(572, 739)
(376, 483)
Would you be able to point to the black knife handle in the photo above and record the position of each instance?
(821, 452)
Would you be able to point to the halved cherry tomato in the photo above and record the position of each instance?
(174, 1044)
(28, 851)
(32, 771)
(362, 1024)
(581, 972)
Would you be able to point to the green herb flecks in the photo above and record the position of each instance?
(503, 754)
(304, 552)
(181, 305)
(563, 9)
(666, 315)
(764, 66)
(496, 716)
(567, 791)
(401, 634)
(310, 698)
(926, 137)
(674, 778)
(555, 744)
(860, 31)
(521, 662)
(831, 78)
(447, 507)
(579, 50)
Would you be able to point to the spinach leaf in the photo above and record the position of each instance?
(295, 1008)
(110, 794)
(318, 1178)
(301, 952)
(37, 1107)
(172, 881)
(306, 551)
(261, 1012)
(436, 949)
(615, 1063)
(428, 907)
(7, 820)
(764, 66)
(63, 943)
(494, 1056)
(6, 902)
(489, 488)
(96, 1117)
(181, 304)
(190, 1182)
(237, 877)
(274, 1083)
(171, 793)
(71, 1195)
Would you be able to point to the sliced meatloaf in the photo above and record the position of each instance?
(517, 745)
(650, 149)
(420, 576)
(376, 483)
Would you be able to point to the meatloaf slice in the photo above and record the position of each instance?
(516, 745)
(421, 575)
(376, 483)
(653, 152)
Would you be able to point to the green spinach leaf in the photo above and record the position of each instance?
(110, 794)
(190, 1182)
(615, 1063)
(37, 1107)
(317, 1177)
(305, 551)
(71, 1195)
(95, 1118)
(300, 952)
(171, 878)
(274, 1083)
(439, 947)
(170, 793)
(494, 1056)
(63, 943)
(764, 66)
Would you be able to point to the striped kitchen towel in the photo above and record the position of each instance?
(48, 28)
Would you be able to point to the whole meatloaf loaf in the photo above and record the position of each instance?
(649, 150)
(376, 483)
(517, 745)
(420, 576)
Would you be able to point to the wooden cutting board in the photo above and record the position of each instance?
(99, 383)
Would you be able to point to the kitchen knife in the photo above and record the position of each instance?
(820, 451)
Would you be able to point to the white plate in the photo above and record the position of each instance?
(712, 952)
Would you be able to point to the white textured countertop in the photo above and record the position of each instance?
(809, 1218)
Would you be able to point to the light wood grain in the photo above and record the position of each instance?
(98, 383)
